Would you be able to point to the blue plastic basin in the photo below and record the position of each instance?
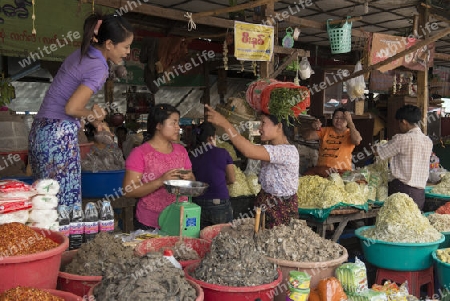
(102, 184)
(442, 271)
(397, 256)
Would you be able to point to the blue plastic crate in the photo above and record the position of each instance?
(102, 184)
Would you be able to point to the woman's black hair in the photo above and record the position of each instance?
(287, 129)
(121, 129)
(410, 113)
(157, 115)
(202, 132)
(113, 27)
(340, 109)
(89, 131)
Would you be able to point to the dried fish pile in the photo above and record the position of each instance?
(235, 261)
(93, 258)
(297, 242)
(151, 277)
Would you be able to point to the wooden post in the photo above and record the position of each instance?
(222, 84)
(268, 67)
(422, 76)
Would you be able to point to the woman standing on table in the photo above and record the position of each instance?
(157, 160)
(279, 165)
(214, 166)
(53, 140)
(336, 143)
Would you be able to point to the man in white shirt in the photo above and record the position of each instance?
(409, 153)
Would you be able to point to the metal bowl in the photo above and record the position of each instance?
(185, 187)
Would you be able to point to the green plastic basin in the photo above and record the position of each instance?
(446, 242)
(442, 271)
(397, 256)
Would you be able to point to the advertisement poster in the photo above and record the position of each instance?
(253, 42)
(58, 25)
(385, 46)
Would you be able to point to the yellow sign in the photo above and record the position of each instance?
(253, 42)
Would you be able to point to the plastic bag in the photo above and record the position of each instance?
(353, 276)
(107, 159)
(330, 289)
(356, 85)
(305, 69)
(436, 174)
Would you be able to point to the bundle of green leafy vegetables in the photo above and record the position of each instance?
(282, 100)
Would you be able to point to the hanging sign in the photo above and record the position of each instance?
(58, 24)
(253, 42)
(385, 46)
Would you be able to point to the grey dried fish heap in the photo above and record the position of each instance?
(235, 261)
(151, 277)
(297, 242)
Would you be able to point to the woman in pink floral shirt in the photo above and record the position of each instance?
(279, 165)
(157, 160)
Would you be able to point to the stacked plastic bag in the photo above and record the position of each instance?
(43, 213)
(15, 201)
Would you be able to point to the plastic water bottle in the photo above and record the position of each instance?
(28, 120)
(169, 255)
(106, 222)
(64, 220)
(76, 228)
(90, 222)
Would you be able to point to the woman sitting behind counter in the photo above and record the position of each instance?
(158, 159)
(336, 143)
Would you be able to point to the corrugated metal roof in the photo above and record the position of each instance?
(29, 96)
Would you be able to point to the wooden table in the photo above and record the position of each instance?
(126, 204)
(342, 218)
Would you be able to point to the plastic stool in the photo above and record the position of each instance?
(415, 279)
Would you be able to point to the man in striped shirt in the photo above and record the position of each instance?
(409, 153)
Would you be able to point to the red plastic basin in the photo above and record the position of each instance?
(265, 292)
(65, 295)
(198, 289)
(210, 232)
(75, 284)
(201, 246)
(38, 270)
(84, 149)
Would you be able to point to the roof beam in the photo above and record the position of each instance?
(442, 57)
(172, 14)
(231, 9)
(302, 22)
(401, 54)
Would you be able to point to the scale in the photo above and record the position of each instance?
(182, 217)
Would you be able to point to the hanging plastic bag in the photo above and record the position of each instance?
(305, 69)
(356, 85)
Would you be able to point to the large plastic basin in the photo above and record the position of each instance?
(265, 292)
(65, 295)
(442, 271)
(198, 289)
(208, 233)
(76, 284)
(201, 246)
(397, 256)
(85, 149)
(317, 271)
(39, 270)
(102, 184)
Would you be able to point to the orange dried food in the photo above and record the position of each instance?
(19, 239)
(28, 293)
(444, 209)
(330, 289)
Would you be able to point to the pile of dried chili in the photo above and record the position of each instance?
(29, 294)
(19, 239)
